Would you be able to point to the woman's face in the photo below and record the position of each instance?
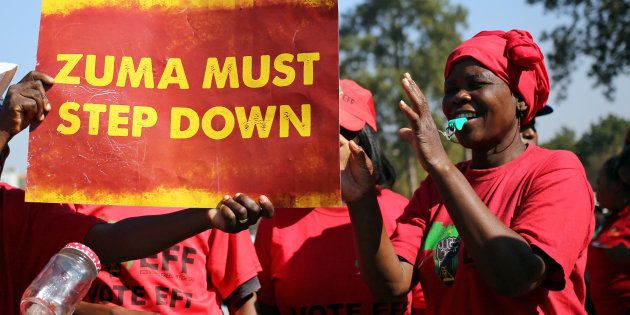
(475, 92)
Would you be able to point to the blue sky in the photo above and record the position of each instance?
(19, 21)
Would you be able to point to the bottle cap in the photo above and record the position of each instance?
(88, 252)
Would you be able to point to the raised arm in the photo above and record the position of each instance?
(387, 276)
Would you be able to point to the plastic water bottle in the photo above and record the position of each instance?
(63, 283)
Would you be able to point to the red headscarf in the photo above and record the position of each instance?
(515, 58)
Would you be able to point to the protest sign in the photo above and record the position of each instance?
(177, 103)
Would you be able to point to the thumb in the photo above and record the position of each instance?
(406, 134)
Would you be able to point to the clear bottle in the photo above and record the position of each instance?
(63, 283)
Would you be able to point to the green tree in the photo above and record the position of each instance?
(597, 29)
(382, 39)
(603, 140)
(564, 140)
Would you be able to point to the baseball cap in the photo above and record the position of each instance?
(356, 106)
(544, 111)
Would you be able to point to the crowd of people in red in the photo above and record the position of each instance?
(510, 231)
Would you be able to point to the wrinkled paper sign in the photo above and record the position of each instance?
(177, 103)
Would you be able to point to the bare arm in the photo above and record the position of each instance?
(504, 258)
(139, 237)
(385, 274)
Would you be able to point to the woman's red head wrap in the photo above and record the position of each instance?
(515, 58)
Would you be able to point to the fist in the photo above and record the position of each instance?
(235, 214)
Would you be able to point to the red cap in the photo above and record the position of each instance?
(88, 252)
(356, 106)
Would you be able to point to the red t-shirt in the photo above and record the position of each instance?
(310, 265)
(30, 234)
(543, 196)
(191, 277)
(610, 282)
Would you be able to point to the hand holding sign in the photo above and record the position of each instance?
(25, 102)
(235, 214)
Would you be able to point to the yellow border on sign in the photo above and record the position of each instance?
(66, 7)
(174, 197)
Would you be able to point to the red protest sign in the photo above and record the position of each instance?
(176, 103)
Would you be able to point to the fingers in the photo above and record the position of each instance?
(39, 82)
(267, 206)
(38, 76)
(342, 141)
(344, 153)
(412, 116)
(252, 208)
(406, 134)
(34, 90)
(420, 105)
(239, 211)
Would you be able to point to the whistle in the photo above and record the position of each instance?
(453, 125)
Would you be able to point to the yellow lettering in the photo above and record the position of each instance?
(206, 123)
(63, 77)
(308, 59)
(95, 111)
(213, 70)
(255, 120)
(143, 117)
(135, 75)
(177, 113)
(302, 126)
(108, 71)
(115, 120)
(173, 65)
(263, 78)
(288, 71)
(73, 119)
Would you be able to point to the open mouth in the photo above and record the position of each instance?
(468, 115)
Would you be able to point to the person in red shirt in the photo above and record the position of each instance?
(309, 260)
(609, 254)
(194, 276)
(503, 233)
(31, 233)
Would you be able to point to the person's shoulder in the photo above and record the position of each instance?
(12, 196)
(5, 188)
(551, 160)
